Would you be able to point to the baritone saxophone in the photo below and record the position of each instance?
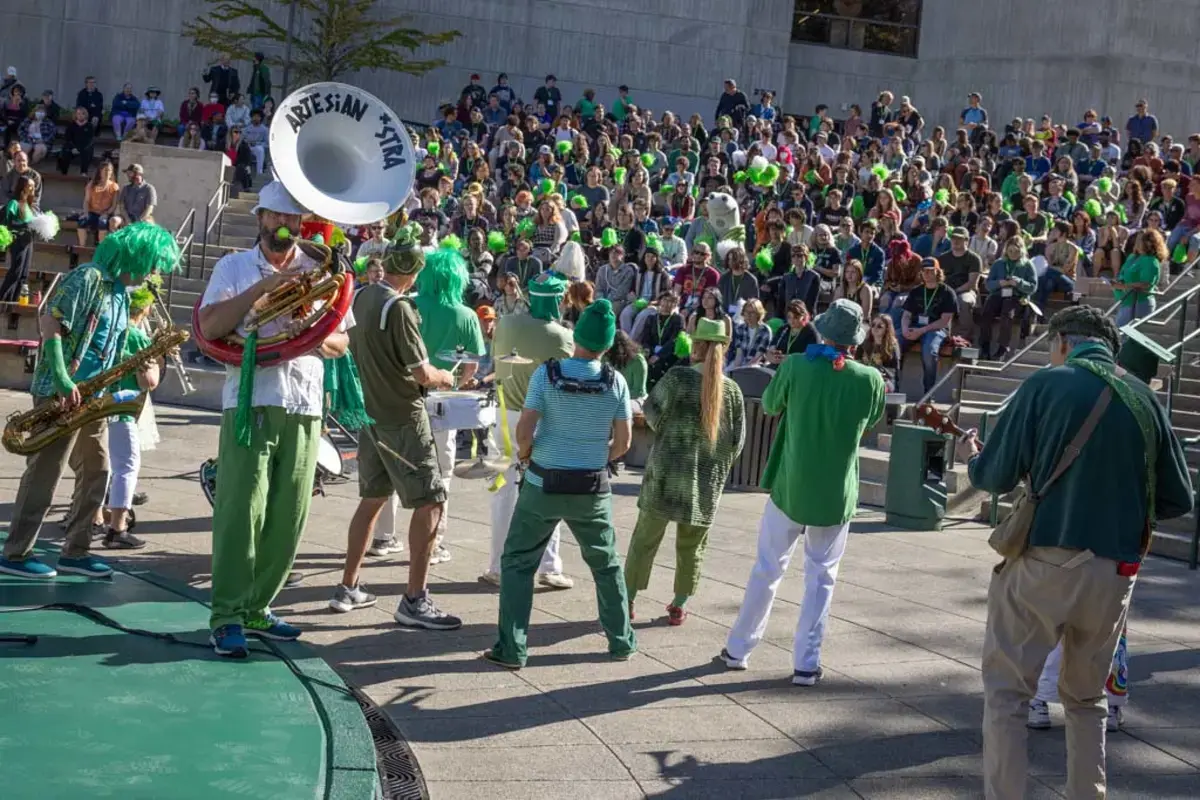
(28, 432)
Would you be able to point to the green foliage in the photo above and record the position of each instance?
(331, 38)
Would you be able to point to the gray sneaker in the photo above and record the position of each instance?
(422, 613)
(440, 555)
(386, 546)
(345, 599)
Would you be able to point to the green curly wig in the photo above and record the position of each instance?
(140, 299)
(137, 250)
(444, 278)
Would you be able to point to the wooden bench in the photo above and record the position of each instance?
(25, 348)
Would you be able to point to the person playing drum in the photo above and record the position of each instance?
(447, 326)
(396, 452)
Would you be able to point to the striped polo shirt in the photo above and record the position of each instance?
(575, 428)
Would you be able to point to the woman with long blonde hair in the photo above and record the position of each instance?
(698, 419)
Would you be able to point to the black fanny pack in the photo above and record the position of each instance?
(572, 481)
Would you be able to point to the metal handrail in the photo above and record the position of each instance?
(185, 250)
(213, 219)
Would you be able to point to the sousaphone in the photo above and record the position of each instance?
(344, 157)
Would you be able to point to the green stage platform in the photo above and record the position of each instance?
(92, 711)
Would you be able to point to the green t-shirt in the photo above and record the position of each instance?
(1137, 269)
(635, 376)
(135, 341)
(446, 328)
(535, 339)
(386, 358)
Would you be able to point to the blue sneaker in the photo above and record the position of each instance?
(272, 627)
(28, 568)
(229, 641)
(88, 565)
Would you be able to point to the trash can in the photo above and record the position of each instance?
(747, 470)
(916, 481)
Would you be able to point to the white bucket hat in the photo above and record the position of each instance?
(274, 197)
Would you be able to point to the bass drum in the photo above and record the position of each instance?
(329, 468)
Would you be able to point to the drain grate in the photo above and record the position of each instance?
(399, 776)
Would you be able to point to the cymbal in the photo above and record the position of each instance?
(458, 355)
(480, 469)
(514, 358)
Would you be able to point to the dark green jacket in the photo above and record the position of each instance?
(1099, 504)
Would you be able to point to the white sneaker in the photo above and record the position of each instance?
(1039, 715)
(490, 577)
(734, 663)
(386, 546)
(440, 555)
(555, 580)
(346, 599)
(1116, 718)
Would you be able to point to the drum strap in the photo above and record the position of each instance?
(387, 307)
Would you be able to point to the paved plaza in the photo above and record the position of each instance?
(897, 716)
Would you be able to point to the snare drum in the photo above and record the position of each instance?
(457, 411)
(329, 459)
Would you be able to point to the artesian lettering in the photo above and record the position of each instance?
(333, 102)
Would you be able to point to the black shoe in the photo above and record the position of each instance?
(1001, 355)
(122, 540)
(140, 498)
(98, 531)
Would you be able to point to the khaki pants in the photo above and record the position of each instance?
(1048, 594)
(85, 452)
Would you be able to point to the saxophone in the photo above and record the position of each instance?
(27, 432)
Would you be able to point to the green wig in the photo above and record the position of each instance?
(6, 238)
(443, 280)
(137, 250)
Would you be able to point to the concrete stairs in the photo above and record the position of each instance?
(873, 463)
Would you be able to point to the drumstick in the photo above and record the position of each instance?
(395, 455)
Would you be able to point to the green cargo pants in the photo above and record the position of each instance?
(263, 494)
(590, 519)
(690, 542)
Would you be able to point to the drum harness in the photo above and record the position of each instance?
(576, 481)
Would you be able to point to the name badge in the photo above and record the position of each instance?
(1006, 291)
(733, 310)
(922, 321)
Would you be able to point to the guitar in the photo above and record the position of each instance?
(928, 415)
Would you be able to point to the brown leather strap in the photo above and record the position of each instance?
(1076, 446)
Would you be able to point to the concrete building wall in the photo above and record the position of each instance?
(183, 179)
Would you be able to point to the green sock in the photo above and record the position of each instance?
(679, 600)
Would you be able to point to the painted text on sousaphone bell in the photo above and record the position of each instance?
(391, 137)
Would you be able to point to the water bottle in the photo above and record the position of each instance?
(24, 297)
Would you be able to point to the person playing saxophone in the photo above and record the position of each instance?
(83, 331)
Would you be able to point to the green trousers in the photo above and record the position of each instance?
(590, 519)
(690, 541)
(263, 494)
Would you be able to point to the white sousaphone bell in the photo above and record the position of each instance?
(342, 154)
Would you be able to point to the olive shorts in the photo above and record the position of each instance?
(380, 473)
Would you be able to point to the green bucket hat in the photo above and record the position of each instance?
(842, 323)
(597, 327)
(545, 296)
(710, 330)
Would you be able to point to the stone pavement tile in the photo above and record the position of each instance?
(684, 724)
(911, 754)
(548, 670)
(1182, 743)
(704, 788)
(758, 686)
(935, 788)
(524, 730)
(652, 692)
(830, 720)
(963, 712)
(421, 703)
(1138, 787)
(869, 647)
(745, 759)
(558, 764)
(1125, 755)
(448, 674)
(1164, 704)
(901, 679)
(535, 790)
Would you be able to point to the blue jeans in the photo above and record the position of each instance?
(1144, 307)
(892, 303)
(1052, 281)
(1178, 235)
(931, 346)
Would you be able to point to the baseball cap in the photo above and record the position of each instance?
(545, 150)
(959, 233)
(930, 263)
(485, 313)
(135, 168)
(12, 71)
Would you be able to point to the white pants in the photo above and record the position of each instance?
(1047, 690)
(385, 524)
(445, 443)
(124, 463)
(260, 155)
(777, 539)
(504, 502)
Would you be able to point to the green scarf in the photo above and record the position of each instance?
(1133, 401)
(242, 427)
(343, 390)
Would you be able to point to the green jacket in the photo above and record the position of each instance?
(812, 472)
(1099, 504)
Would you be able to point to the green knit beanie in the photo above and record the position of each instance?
(545, 296)
(597, 327)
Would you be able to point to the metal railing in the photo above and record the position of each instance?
(856, 33)
(1159, 319)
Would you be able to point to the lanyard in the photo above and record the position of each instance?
(735, 286)
(792, 336)
(928, 299)
(662, 326)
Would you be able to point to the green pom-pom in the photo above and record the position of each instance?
(1093, 209)
(654, 242)
(575, 237)
(647, 160)
(769, 176)
(451, 242)
(1071, 198)
(1121, 213)
(942, 196)
(545, 186)
(6, 238)
(739, 176)
(899, 194)
(683, 345)
(881, 170)
(640, 303)
(608, 238)
(812, 260)
(579, 201)
(564, 148)
(360, 266)
(1104, 185)
(1180, 255)
(433, 148)
(764, 260)
(496, 242)
(525, 228)
(619, 175)
(615, 152)
(755, 174)
(858, 208)
(775, 323)
(812, 177)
